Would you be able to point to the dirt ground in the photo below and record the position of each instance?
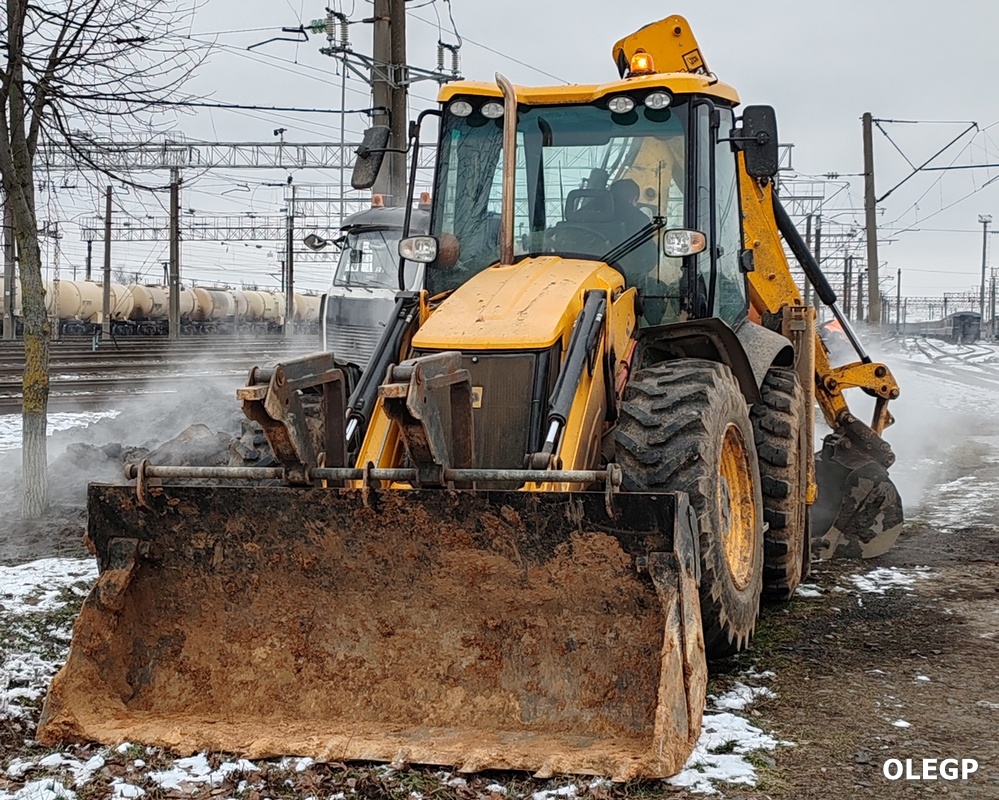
(846, 670)
(847, 666)
(863, 671)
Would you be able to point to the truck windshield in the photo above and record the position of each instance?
(369, 260)
(587, 179)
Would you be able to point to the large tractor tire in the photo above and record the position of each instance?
(781, 444)
(684, 426)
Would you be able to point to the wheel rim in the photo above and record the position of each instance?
(737, 507)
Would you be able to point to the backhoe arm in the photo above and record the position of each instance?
(772, 287)
(856, 510)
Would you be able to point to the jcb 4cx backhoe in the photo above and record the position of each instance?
(578, 457)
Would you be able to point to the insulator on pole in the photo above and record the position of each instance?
(440, 56)
(344, 34)
(455, 63)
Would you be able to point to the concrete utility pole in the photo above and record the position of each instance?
(847, 285)
(870, 210)
(808, 243)
(106, 303)
(898, 303)
(985, 220)
(8, 273)
(90, 259)
(992, 316)
(389, 94)
(289, 267)
(859, 316)
(174, 286)
(818, 241)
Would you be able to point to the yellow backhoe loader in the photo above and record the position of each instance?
(577, 459)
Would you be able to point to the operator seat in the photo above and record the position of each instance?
(590, 225)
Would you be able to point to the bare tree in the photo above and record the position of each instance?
(77, 73)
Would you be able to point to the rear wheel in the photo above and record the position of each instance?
(684, 426)
(781, 445)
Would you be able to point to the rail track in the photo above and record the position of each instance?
(971, 354)
(82, 378)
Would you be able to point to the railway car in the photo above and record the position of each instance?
(961, 327)
(144, 310)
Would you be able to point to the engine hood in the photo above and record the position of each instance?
(531, 304)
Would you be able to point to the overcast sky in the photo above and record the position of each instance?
(821, 65)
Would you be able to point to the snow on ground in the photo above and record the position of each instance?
(726, 740)
(33, 594)
(37, 586)
(28, 594)
(10, 424)
(881, 579)
(964, 502)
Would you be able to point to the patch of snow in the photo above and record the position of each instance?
(740, 697)
(43, 789)
(726, 731)
(27, 590)
(495, 788)
(10, 424)
(569, 790)
(705, 767)
(125, 791)
(752, 674)
(925, 678)
(36, 586)
(189, 772)
(808, 590)
(901, 723)
(969, 500)
(881, 579)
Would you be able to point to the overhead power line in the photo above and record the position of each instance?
(234, 106)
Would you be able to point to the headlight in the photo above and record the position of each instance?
(657, 101)
(492, 110)
(621, 104)
(421, 249)
(460, 108)
(679, 242)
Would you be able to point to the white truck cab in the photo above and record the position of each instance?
(366, 279)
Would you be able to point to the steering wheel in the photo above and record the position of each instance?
(569, 237)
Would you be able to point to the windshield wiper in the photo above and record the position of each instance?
(634, 241)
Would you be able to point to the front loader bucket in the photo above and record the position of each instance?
(858, 513)
(509, 630)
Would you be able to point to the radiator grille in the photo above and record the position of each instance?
(502, 422)
(353, 343)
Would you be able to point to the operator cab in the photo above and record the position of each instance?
(641, 174)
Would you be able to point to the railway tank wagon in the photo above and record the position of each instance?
(144, 309)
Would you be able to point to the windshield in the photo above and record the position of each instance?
(587, 180)
(370, 260)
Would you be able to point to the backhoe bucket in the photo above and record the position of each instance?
(509, 630)
(858, 513)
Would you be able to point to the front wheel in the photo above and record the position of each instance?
(684, 426)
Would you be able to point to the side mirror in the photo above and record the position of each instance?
(370, 155)
(759, 141)
(315, 242)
